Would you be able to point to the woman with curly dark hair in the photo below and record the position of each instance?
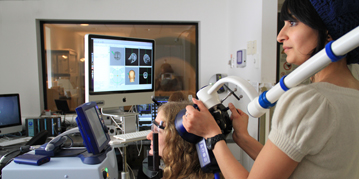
(314, 128)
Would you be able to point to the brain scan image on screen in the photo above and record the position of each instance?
(117, 56)
(145, 75)
(132, 58)
(146, 59)
(145, 55)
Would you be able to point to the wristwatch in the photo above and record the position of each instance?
(210, 142)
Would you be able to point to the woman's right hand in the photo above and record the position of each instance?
(200, 122)
(240, 124)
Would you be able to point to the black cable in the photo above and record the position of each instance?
(7, 154)
(155, 101)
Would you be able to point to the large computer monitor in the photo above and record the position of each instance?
(119, 71)
(10, 114)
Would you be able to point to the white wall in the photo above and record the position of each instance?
(224, 27)
(252, 21)
(19, 67)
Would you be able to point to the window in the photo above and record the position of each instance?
(176, 56)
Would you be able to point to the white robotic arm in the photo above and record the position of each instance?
(209, 96)
(334, 51)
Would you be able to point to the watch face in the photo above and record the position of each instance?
(208, 143)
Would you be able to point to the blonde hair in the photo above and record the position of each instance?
(179, 156)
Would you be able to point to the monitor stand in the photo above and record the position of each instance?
(89, 158)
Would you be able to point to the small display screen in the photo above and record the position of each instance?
(239, 57)
(96, 127)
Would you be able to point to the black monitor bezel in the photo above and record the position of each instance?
(90, 50)
(19, 110)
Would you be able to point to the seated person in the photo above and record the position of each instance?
(167, 79)
(176, 96)
(179, 157)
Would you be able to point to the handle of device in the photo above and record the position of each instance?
(209, 96)
(58, 140)
(156, 157)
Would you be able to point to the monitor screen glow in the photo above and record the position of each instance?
(94, 120)
(10, 114)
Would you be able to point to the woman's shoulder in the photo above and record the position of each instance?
(301, 93)
(319, 91)
(305, 100)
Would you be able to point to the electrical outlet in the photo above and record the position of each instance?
(250, 47)
(254, 47)
(257, 61)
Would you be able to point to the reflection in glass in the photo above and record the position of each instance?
(63, 48)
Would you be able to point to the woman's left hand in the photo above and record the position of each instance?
(240, 124)
(200, 122)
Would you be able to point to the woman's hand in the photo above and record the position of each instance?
(200, 122)
(240, 124)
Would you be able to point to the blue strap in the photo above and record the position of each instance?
(330, 53)
(217, 176)
(282, 85)
(263, 101)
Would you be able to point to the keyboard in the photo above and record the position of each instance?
(8, 142)
(133, 136)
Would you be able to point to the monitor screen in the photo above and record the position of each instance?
(92, 128)
(118, 70)
(98, 132)
(10, 113)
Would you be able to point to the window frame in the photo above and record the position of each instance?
(43, 22)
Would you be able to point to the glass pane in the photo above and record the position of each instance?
(176, 57)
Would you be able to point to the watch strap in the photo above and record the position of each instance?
(213, 140)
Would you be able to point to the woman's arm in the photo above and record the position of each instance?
(240, 134)
(271, 162)
(250, 145)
